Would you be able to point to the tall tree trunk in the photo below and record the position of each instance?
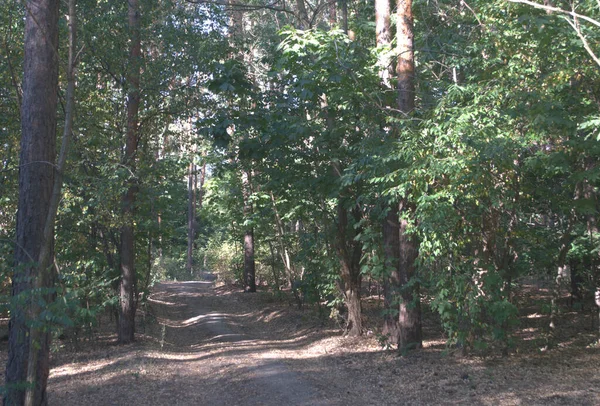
(410, 306)
(200, 189)
(349, 253)
(391, 226)
(191, 216)
(249, 264)
(391, 281)
(400, 248)
(36, 181)
(127, 285)
(345, 15)
(410, 303)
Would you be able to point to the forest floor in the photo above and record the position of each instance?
(204, 345)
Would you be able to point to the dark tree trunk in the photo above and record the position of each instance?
(127, 286)
(410, 303)
(191, 217)
(410, 307)
(36, 179)
(345, 15)
(349, 253)
(400, 248)
(391, 282)
(249, 265)
(391, 227)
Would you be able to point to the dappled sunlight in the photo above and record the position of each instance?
(202, 339)
(164, 302)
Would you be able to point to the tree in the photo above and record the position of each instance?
(249, 263)
(36, 181)
(400, 245)
(127, 288)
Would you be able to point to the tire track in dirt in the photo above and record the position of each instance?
(199, 321)
(196, 347)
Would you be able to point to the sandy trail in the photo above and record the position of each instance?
(206, 355)
(200, 345)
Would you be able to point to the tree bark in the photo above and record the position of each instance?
(391, 226)
(410, 303)
(36, 180)
(249, 264)
(303, 20)
(384, 40)
(332, 13)
(349, 253)
(345, 15)
(391, 280)
(401, 249)
(191, 216)
(127, 284)
(410, 307)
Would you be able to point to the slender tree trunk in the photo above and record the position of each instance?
(410, 303)
(191, 216)
(391, 281)
(400, 248)
(36, 181)
(249, 264)
(285, 257)
(200, 189)
(127, 285)
(391, 226)
(345, 15)
(410, 306)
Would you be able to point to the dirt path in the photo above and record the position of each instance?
(200, 345)
(207, 355)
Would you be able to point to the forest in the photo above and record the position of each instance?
(418, 177)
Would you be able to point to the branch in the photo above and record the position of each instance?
(574, 24)
(586, 45)
(558, 10)
(245, 7)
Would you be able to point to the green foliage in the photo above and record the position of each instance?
(498, 162)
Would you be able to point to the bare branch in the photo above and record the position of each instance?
(558, 10)
(574, 24)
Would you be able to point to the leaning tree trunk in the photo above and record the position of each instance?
(36, 180)
(127, 284)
